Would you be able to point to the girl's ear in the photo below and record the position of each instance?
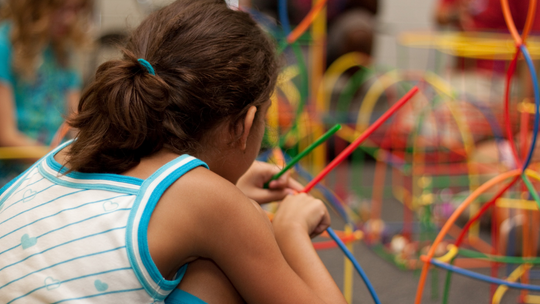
(247, 124)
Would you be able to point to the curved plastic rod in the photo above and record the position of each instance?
(464, 131)
(272, 118)
(289, 89)
(530, 20)
(377, 194)
(304, 91)
(468, 143)
(484, 208)
(496, 258)
(519, 40)
(488, 114)
(304, 24)
(513, 277)
(347, 151)
(355, 263)
(438, 84)
(284, 17)
(510, 72)
(304, 82)
(536, 89)
(292, 94)
(385, 81)
(466, 135)
(520, 47)
(302, 27)
(507, 122)
(531, 189)
(482, 277)
(514, 173)
(372, 95)
(450, 255)
(352, 86)
(334, 71)
(510, 23)
(492, 182)
(472, 220)
(533, 174)
(417, 155)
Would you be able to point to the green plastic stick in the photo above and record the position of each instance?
(500, 259)
(305, 152)
(531, 189)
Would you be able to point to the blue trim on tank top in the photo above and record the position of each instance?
(86, 186)
(142, 240)
(89, 181)
(91, 176)
(19, 179)
(179, 296)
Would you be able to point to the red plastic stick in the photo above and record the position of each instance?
(360, 139)
(507, 122)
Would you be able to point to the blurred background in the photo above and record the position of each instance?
(392, 197)
(115, 17)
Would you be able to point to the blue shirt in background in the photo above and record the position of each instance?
(41, 103)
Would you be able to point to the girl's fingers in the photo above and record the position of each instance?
(295, 185)
(285, 181)
(305, 210)
(323, 225)
(277, 195)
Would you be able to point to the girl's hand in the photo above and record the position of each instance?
(252, 182)
(302, 211)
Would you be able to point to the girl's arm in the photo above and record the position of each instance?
(293, 233)
(10, 136)
(221, 224)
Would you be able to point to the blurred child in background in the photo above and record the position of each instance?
(351, 23)
(38, 85)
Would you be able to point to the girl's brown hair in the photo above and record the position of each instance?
(30, 32)
(211, 63)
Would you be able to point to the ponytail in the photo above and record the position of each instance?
(121, 108)
(211, 64)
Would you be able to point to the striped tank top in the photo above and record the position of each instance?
(81, 237)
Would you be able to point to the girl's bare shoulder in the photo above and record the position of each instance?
(202, 196)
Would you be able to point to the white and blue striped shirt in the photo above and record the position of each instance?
(81, 237)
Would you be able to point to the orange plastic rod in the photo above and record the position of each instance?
(492, 182)
(308, 20)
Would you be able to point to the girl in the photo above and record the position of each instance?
(157, 179)
(37, 84)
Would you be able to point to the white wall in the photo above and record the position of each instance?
(398, 16)
(395, 17)
(121, 14)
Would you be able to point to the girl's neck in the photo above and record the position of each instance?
(220, 162)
